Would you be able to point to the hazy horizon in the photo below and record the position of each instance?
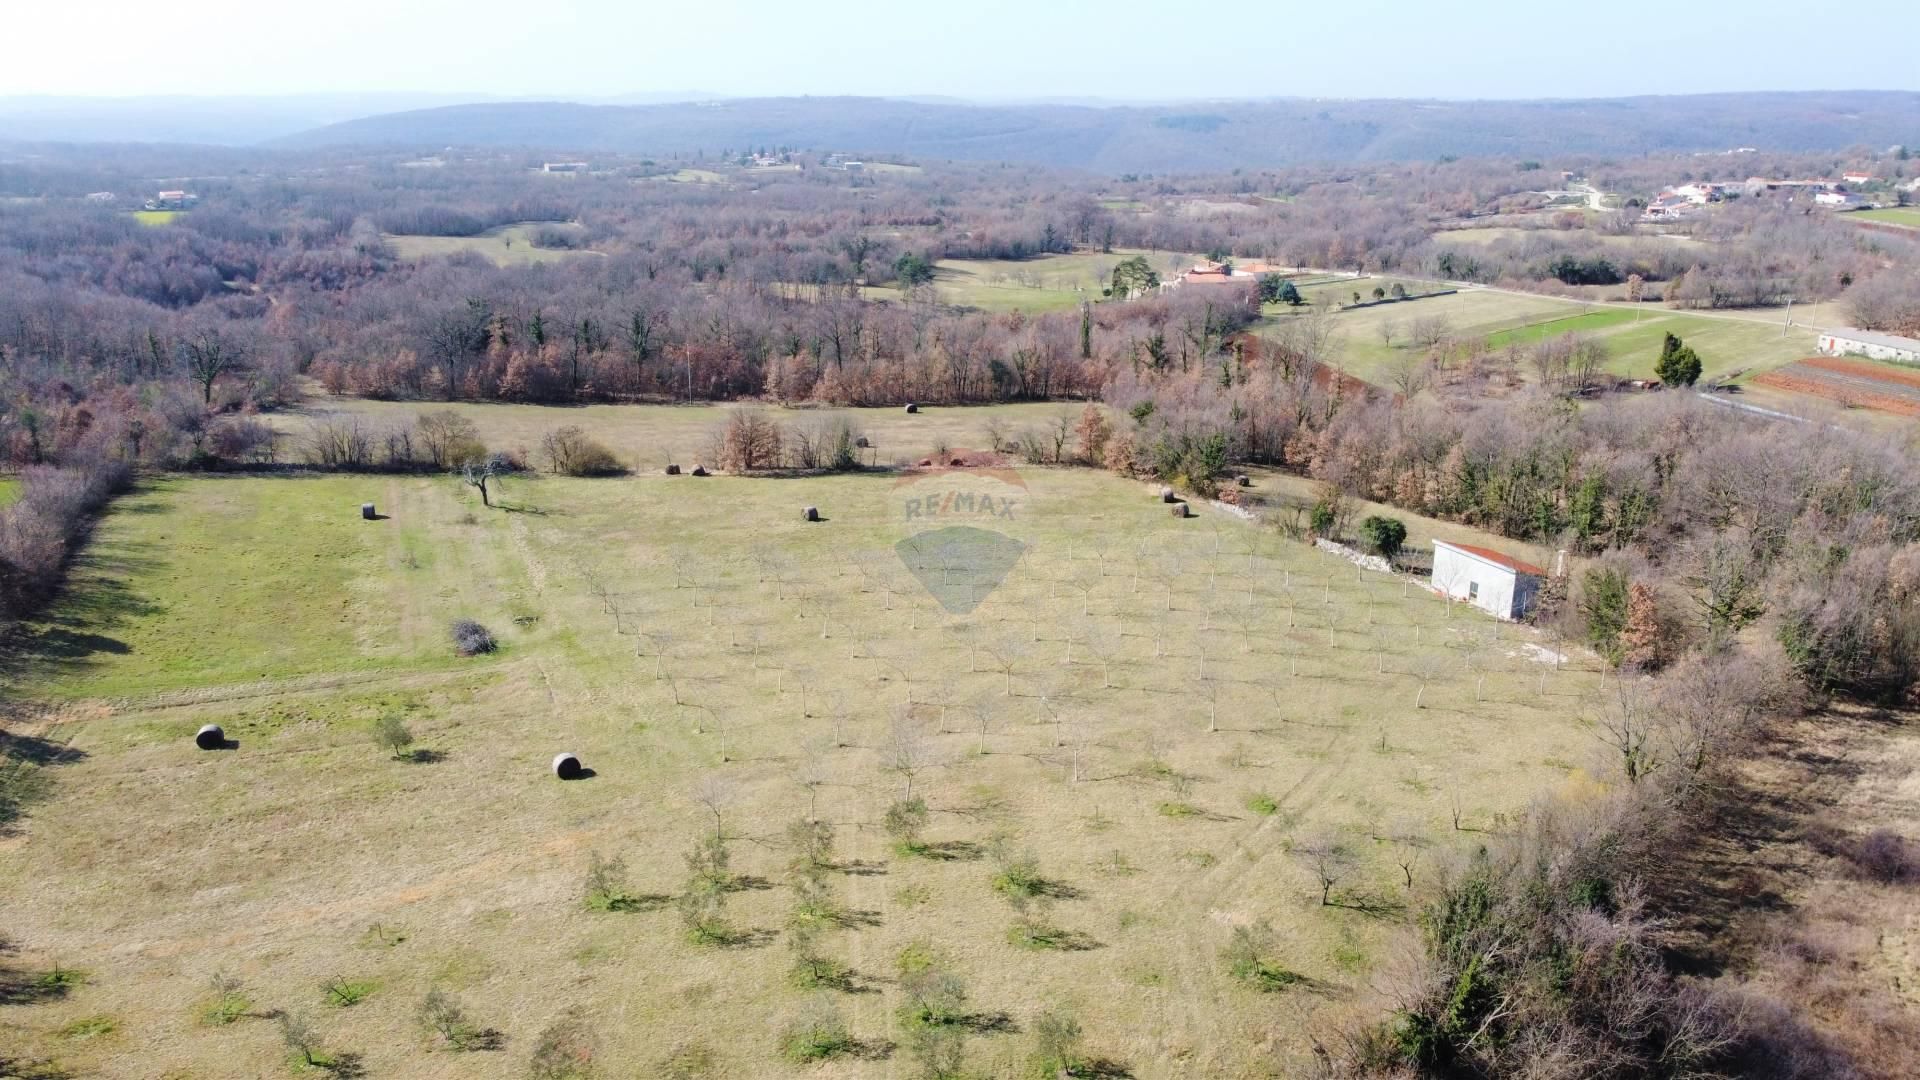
(1119, 52)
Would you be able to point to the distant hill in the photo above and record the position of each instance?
(218, 121)
(1191, 136)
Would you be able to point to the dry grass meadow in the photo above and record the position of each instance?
(1163, 713)
(508, 245)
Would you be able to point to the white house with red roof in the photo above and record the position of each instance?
(1500, 585)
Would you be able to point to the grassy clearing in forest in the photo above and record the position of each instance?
(1892, 215)
(1161, 712)
(648, 437)
(1633, 338)
(508, 245)
(1042, 283)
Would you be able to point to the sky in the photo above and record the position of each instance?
(980, 49)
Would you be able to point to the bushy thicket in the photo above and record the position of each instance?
(39, 530)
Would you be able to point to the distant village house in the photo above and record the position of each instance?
(172, 200)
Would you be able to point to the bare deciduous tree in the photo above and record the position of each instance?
(1328, 857)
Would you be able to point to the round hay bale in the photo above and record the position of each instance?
(566, 766)
(367, 512)
(912, 408)
(701, 470)
(673, 470)
(1181, 510)
(1167, 495)
(1243, 480)
(210, 737)
(813, 513)
(862, 442)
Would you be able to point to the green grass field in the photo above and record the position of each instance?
(1893, 215)
(156, 218)
(1585, 323)
(1043, 283)
(9, 489)
(508, 245)
(1157, 710)
(1727, 343)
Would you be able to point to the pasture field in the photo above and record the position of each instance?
(1485, 236)
(1167, 715)
(1727, 343)
(1892, 215)
(156, 218)
(508, 245)
(9, 489)
(1030, 286)
(1042, 283)
(648, 437)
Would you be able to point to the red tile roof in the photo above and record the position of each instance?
(1496, 558)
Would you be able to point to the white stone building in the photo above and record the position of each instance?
(1850, 342)
(1500, 585)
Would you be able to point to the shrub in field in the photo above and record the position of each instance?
(390, 734)
(749, 440)
(471, 639)
(230, 1000)
(1321, 519)
(569, 451)
(905, 820)
(933, 1015)
(449, 439)
(565, 1050)
(1248, 958)
(1887, 857)
(832, 444)
(606, 885)
(1057, 1049)
(1383, 535)
(817, 1034)
(344, 993)
(932, 995)
(304, 1044)
(703, 901)
(1017, 874)
(442, 1016)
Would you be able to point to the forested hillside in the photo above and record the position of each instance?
(1185, 138)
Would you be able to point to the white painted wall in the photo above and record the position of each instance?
(1841, 345)
(1500, 591)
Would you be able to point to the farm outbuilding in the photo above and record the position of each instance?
(1850, 342)
(1500, 585)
